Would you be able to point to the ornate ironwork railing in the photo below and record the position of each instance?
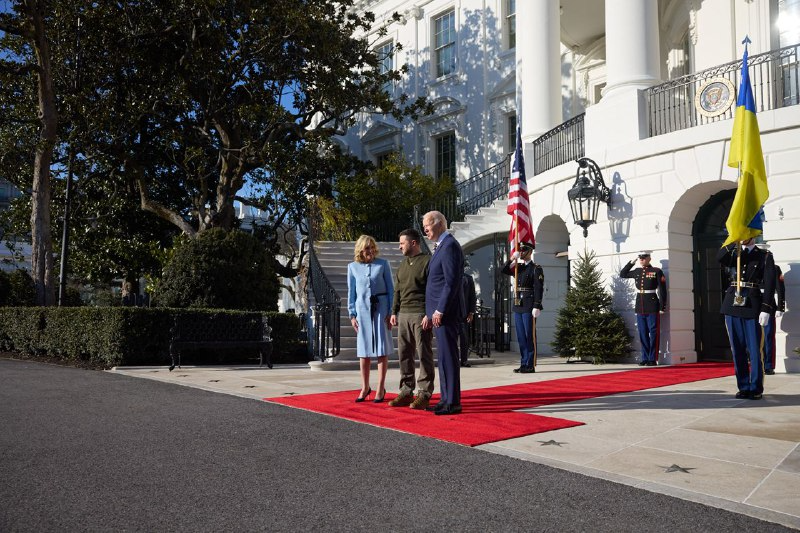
(563, 144)
(774, 77)
(325, 341)
(470, 195)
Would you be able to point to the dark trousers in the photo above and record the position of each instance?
(448, 364)
(747, 344)
(769, 344)
(525, 338)
(463, 342)
(649, 327)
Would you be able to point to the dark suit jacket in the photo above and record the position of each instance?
(468, 288)
(757, 267)
(443, 292)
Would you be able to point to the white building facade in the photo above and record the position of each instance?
(642, 86)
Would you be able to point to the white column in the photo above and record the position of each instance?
(538, 67)
(632, 53)
(632, 65)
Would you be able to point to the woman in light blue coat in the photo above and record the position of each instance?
(370, 292)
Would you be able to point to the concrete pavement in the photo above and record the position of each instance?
(694, 441)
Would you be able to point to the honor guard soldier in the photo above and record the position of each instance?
(747, 306)
(651, 301)
(527, 303)
(778, 309)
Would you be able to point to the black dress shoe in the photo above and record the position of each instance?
(466, 365)
(436, 407)
(448, 409)
(518, 370)
(651, 363)
(769, 372)
(755, 396)
(742, 394)
(527, 370)
(642, 363)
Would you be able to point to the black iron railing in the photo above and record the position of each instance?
(470, 195)
(325, 338)
(563, 144)
(774, 77)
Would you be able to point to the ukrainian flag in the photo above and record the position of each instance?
(744, 220)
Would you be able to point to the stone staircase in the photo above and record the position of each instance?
(490, 219)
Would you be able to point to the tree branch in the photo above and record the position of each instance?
(162, 211)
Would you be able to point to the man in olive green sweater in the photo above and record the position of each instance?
(414, 330)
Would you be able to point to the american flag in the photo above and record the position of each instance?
(521, 230)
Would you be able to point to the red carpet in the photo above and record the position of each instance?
(488, 413)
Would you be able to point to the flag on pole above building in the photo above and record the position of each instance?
(518, 202)
(745, 219)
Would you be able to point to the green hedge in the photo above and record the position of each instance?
(104, 337)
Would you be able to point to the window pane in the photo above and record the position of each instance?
(446, 157)
(445, 44)
(512, 133)
(511, 21)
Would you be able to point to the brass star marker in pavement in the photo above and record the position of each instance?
(551, 442)
(676, 468)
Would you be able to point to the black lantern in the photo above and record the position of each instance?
(586, 194)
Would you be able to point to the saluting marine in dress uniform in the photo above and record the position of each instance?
(778, 309)
(747, 312)
(651, 301)
(527, 303)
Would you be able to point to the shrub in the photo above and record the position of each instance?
(103, 337)
(23, 289)
(219, 269)
(5, 288)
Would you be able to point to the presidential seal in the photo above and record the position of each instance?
(715, 97)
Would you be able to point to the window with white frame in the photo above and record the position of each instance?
(511, 133)
(511, 23)
(445, 147)
(385, 53)
(444, 30)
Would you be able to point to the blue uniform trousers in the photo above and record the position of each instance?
(747, 344)
(769, 344)
(525, 338)
(649, 327)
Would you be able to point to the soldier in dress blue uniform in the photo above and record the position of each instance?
(747, 306)
(527, 303)
(651, 302)
(779, 308)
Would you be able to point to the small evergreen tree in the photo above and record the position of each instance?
(587, 327)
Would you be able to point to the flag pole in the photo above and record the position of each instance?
(516, 249)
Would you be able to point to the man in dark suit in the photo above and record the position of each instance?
(470, 300)
(444, 306)
(651, 303)
(747, 306)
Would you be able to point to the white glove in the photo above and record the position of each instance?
(778, 314)
(515, 255)
(536, 312)
(763, 318)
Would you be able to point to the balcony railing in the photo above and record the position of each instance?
(563, 144)
(774, 77)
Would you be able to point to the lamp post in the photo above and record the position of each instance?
(62, 272)
(586, 194)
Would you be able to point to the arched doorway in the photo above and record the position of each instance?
(710, 281)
